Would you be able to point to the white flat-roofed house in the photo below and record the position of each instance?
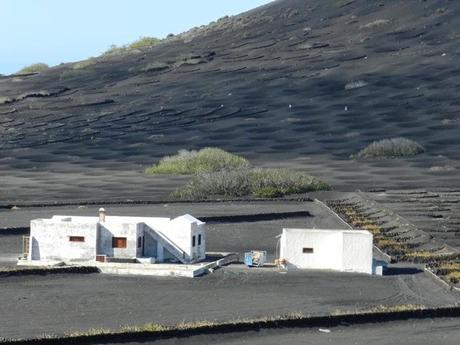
(106, 238)
(339, 250)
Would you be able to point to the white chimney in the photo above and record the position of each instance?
(102, 214)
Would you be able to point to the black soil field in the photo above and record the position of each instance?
(29, 305)
(295, 83)
(419, 332)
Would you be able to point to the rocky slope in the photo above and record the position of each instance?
(295, 83)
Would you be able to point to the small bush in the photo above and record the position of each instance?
(193, 162)
(143, 42)
(266, 183)
(390, 148)
(34, 68)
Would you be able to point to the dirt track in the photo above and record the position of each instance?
(95, 301)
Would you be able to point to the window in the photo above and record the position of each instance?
(193, 241)
(119, 242)
(199, 240)
(76, 239)
(139, 242)
(307, 250)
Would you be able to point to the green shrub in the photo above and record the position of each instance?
(390, 148)
(143, 42)
(258, 182)
(34, 68)
(193, 162)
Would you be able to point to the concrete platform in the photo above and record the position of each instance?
(142, 269)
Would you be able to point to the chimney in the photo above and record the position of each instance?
(102, 215)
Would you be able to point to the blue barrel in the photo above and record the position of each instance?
(248, 259)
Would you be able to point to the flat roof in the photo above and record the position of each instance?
(354, 231)
(118, 219)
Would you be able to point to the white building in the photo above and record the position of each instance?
(113, 238)
(339, 250)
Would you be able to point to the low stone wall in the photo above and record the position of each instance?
(48, 270)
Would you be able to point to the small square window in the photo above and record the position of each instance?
(76, 239)
(199, 240)
(307, 250)
(119, 242)
(193, 241)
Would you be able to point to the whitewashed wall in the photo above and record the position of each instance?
(200, 250)
(108, 230)
(340, 250)
(180, 231)
(327, 249)
(49, 240)
(357, 251)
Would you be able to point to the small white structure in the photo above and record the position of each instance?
(339, 250)
(112, 238)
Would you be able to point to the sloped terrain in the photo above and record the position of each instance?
(295, 83)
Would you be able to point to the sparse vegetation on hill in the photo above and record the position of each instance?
(84, 64)
(141, 43)
(257, 182)
(390, 148)
(194, 162)
(34, 68)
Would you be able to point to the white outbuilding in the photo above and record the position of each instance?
(339, 250)
(114, 238)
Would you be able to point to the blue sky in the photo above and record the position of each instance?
(55, 31)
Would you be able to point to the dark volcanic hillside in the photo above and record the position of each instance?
(303, 83)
